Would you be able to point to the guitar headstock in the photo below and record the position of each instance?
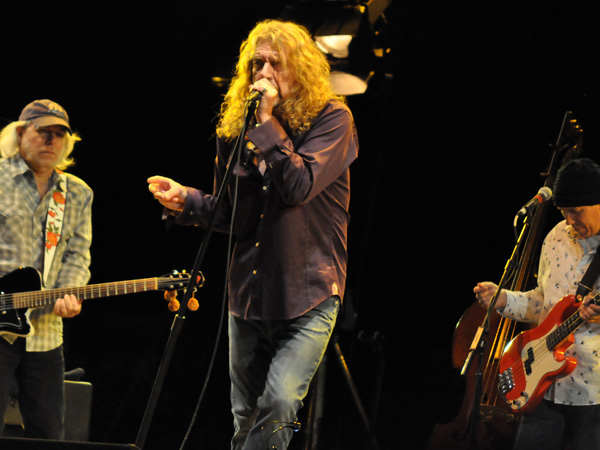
(569, 146)
(178, 281)
(175, 281)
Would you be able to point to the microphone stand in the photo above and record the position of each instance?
(178, 321)
(478, 346)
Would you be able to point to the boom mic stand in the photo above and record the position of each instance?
(178, 321)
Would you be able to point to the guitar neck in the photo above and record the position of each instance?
(567, 327)
(564, 330)
(36, 299)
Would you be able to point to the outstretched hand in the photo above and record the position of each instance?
(169, 193)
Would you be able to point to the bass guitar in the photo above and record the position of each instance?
(535, 358)
(20, 291)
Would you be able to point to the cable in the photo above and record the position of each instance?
(295, 426)
(223, 308)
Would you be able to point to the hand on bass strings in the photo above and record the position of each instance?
(589, 311)
(485, 290)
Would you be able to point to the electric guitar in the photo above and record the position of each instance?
(15, 303)
(535, 358)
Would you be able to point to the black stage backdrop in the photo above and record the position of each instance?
(451, 148)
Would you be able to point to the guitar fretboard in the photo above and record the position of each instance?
(566, 328)
(35, 299)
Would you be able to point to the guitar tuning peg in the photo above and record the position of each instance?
(171, 297)
(193, 304)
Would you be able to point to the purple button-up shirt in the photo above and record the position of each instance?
(292, 215)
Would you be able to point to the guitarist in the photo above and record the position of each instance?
(570, 410)
(45, 223)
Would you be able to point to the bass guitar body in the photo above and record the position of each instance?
(533, 360)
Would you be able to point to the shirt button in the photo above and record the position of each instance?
(264, 188)
(255, 272)
(257, 244)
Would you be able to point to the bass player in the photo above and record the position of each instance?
(570, 410)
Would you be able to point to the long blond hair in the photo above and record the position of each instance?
(9, 144)
(300, 54)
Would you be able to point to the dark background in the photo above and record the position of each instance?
(451, 148)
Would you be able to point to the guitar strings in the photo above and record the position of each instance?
(19, 300)
(571, 323)
(505, 331)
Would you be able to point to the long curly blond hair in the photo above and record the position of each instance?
(312, 90)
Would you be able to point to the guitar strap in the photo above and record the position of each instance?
(54, 222)
(589, 278)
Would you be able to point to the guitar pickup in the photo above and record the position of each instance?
(529, 361)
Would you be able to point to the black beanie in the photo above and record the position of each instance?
(577, 184)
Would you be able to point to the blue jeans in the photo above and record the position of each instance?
(271, 365)
(551, 426)
(40, 380)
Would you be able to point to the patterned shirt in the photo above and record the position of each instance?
(22, 228)
(563, 262)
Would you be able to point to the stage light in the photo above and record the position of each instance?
(345, 31)
(350, 32)
(337, 46)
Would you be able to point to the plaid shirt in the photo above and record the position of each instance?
(22, 229)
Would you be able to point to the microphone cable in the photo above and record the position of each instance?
(223, 303)
(295, 426)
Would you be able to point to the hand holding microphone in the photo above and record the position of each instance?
(254, 96)
(262, 98)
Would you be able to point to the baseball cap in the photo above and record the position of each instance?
(44, 113)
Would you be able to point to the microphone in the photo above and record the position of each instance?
(252, 102)
(254, 96)
(543, 195)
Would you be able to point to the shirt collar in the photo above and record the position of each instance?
(18, 167)
(588, 244)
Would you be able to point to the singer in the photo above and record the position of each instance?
(288, 269)
(570, 411)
